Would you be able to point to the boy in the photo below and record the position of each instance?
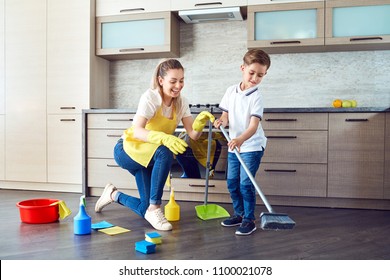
(242, 107)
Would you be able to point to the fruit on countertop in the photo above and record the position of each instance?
(338, 103)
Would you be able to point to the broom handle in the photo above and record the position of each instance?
(248, 172)
(209, 138)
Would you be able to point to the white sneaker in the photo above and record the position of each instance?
(105, 198)
(157, 219)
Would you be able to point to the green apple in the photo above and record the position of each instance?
(353, 103)
(346, 104)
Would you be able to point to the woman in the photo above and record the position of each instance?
(146, 149)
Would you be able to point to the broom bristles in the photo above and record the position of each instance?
(276, 221)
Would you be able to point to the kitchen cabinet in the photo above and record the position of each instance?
(149, 35)
(295, 159)
(177, 5)
(76, 80)
(2, 59)
(117, 7)
(358, 23)
(387, 158)
(356, 155)
(260, 2)
(278, 27)
(103, 131)
(2, 147)
(25, 90)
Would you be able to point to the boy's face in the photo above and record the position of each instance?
(252, 75)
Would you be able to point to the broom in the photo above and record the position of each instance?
(268, 220)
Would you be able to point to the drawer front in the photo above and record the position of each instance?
(296, 147)
(101, 143)
(292, 179)
(104, 171)
(119, 7)
(295, 121)
(110, 121)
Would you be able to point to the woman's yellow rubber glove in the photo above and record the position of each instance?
(175, 144)
(201, 120)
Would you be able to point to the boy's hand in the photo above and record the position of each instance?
(235, 143)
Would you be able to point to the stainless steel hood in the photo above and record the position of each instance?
(203, 15)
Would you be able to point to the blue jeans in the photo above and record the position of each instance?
(150, 180)
(241, 189)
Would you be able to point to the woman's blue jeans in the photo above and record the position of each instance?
(150, 180)
(241, 189)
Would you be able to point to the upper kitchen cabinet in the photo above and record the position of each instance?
(117, 7)
(178, 5)
(25, 90)
(76, 78)
(358, 24)
(286, 27)
(134, 36)
(2, 59)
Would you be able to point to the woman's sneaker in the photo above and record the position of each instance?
(232, 221)
(157, 219)
(105, 198)
(246, 228)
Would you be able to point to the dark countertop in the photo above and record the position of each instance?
(266, 110)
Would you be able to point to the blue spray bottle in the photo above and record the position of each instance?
(82, 221)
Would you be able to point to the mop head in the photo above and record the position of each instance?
(276, 221)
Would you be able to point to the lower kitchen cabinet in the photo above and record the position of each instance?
(63, 153)
(387, 158)
(2, 147)
(356, 155)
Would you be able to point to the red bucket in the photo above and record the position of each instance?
(38, 211)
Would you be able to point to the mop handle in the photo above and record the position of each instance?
(209, 138)
(248, 172)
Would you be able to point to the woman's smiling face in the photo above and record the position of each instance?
(172, 83)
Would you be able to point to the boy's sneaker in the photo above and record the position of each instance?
(105, 198)
(157, 219)
(246, 228)
(232, 221)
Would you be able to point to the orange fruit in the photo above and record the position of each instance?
(337, 103)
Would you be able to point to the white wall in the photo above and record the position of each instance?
(211, 54)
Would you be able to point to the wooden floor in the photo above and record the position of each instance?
(320, 234)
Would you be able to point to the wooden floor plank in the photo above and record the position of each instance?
(320, 234)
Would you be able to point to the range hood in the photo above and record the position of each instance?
(203, 15)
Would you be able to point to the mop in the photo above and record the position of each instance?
(268, 220)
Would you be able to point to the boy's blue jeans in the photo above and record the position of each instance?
(241, 189)
(150, 181)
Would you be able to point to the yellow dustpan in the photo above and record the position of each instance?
(209, 211)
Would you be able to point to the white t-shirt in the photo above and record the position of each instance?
(241, 106)
(151, 101)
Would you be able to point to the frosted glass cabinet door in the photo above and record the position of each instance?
(289, 24)
(137, 36)
(358, 22)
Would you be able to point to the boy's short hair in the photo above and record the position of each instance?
(257, 56)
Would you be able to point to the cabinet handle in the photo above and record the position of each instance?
(132, 50)
(203, 186)
(208, 4)
(282, 137)
(113, 135)
(112, 165)
(67, 108)
(67, 120)
(365, 39)
(280, 170)
(285, 42)
(131, 10)
(281, 120)
(356, 120)
(119, 120)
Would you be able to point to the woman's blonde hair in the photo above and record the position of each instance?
(161, 71)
